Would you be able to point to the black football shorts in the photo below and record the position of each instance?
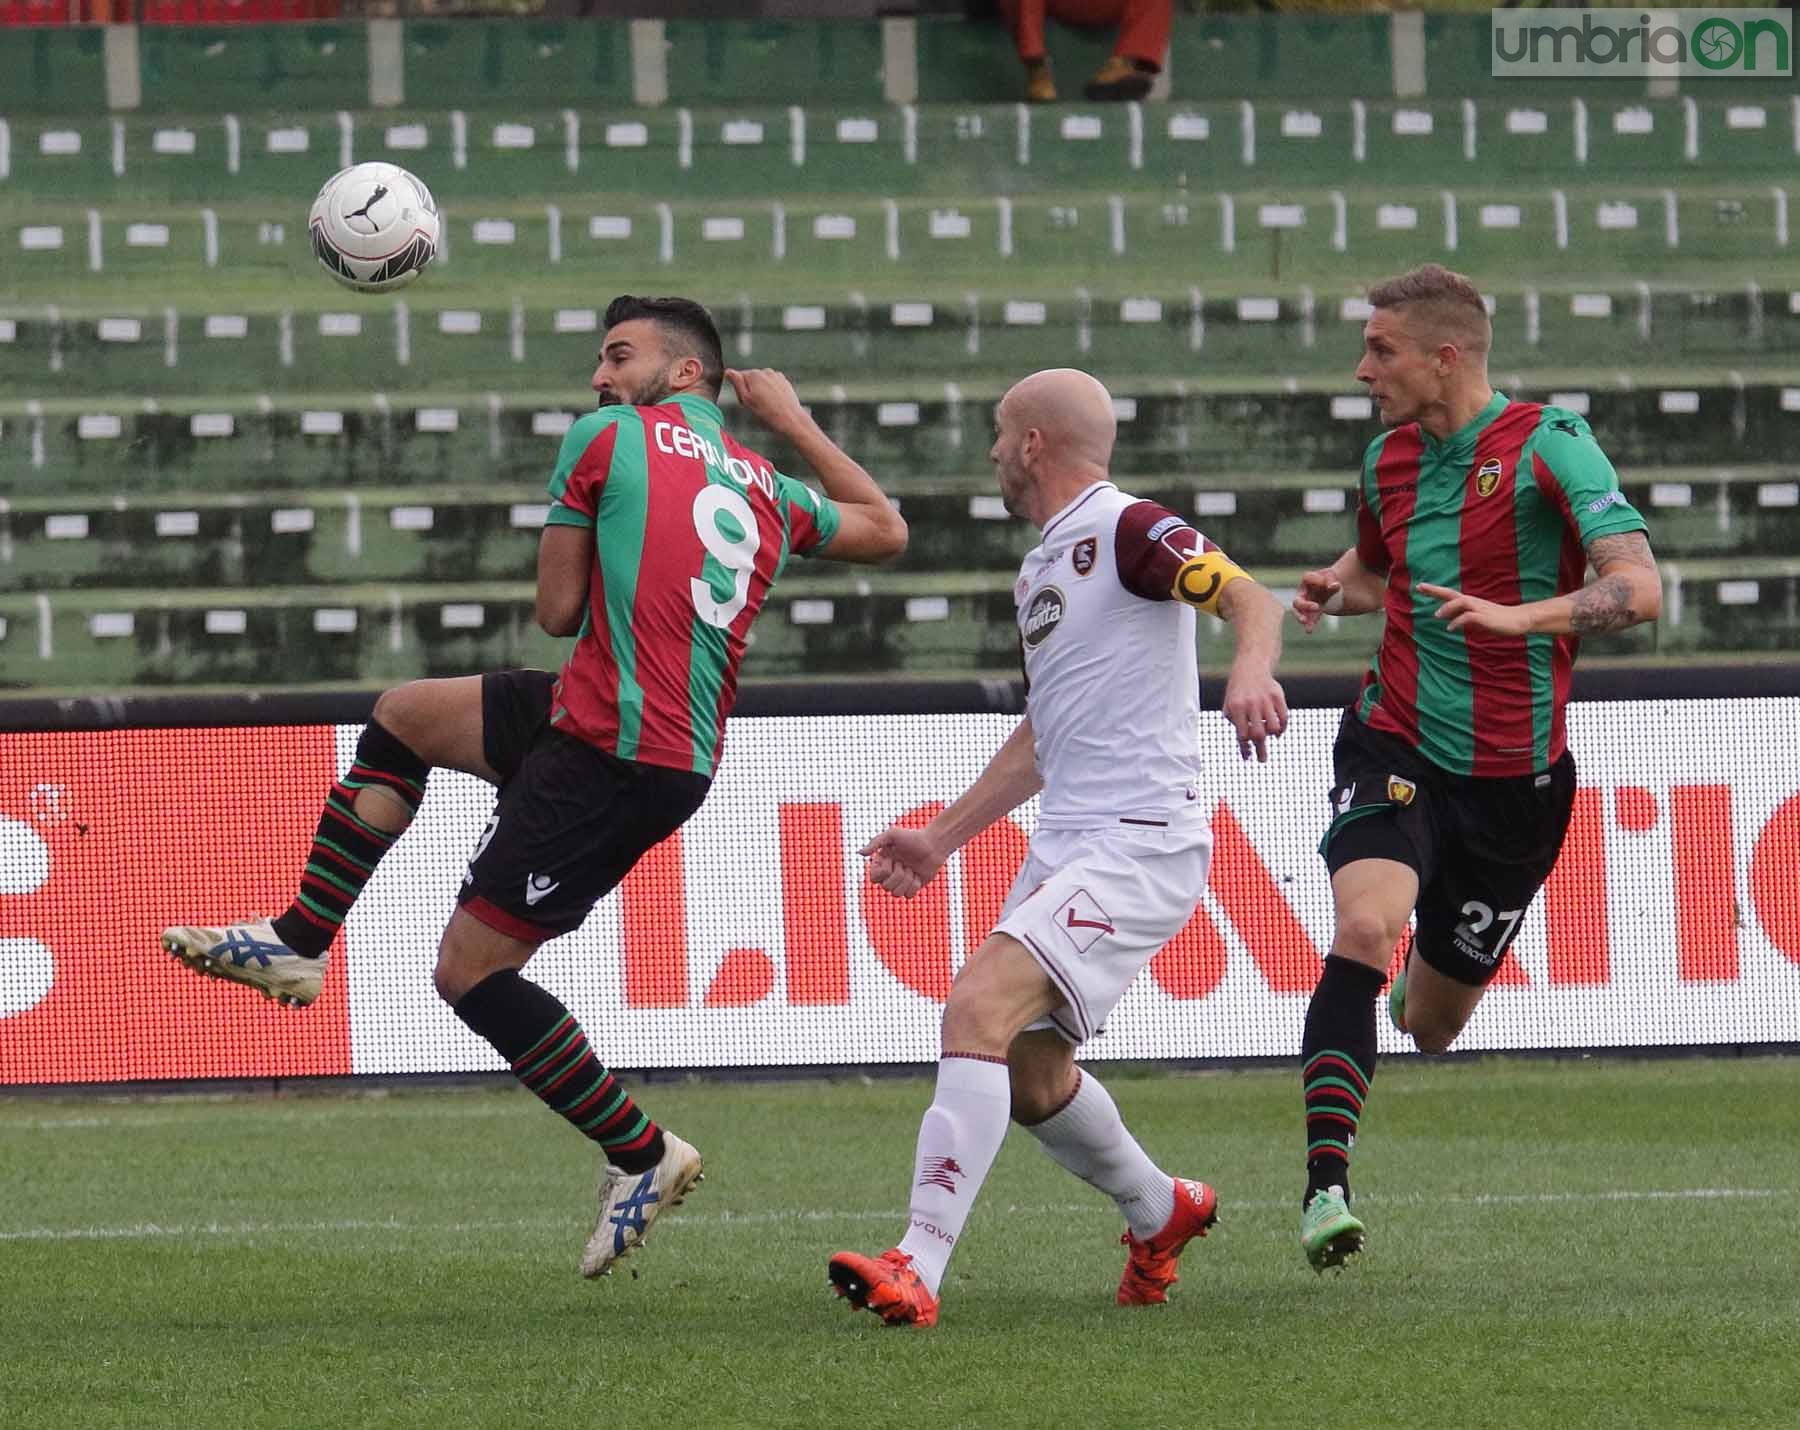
(571, 820)
(1481, 846)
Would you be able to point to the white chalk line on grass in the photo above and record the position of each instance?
(148, 1231)
(503, 1106)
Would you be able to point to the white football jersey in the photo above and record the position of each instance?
(1112, 677)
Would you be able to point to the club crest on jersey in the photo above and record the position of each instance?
(1081, 557)
(1400, 791)
(1042, 615)
(1488, 477)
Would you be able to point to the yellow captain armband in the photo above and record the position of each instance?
(1203, 578)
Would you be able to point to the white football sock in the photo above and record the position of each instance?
(1090, 1138)
(959, 1137)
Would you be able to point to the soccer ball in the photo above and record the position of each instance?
(374, 227)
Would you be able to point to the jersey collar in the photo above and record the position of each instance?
(1080, 500)
(692, 405)
(1463, 438)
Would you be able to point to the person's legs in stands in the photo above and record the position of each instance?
(1025, 23)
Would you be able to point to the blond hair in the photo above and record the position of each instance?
(1447, 307)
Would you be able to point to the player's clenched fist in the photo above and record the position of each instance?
(902, 861)
(767, 394)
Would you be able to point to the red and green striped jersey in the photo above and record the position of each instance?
(1502, 509)
(690, 530)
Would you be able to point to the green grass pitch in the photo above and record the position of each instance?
(1573, 1243)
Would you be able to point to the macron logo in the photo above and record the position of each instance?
(538, 887)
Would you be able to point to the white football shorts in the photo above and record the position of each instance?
(1093, 906)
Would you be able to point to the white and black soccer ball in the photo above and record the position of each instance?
(374, 227)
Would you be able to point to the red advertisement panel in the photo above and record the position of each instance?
(107, 839)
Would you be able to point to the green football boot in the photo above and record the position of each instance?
(1329, 1234)
(1397, 1000)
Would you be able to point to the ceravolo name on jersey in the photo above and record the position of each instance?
(1041, 616)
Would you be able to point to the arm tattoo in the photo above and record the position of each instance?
(1631, 547)
(1606, 603)
(1603, 606)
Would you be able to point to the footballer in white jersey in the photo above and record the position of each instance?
(1120, 855)
(1106, 609)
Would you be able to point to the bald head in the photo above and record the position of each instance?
(1073, 410)
(1053, 438)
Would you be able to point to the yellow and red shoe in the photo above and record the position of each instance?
(1150, 1264)
(886, 1285)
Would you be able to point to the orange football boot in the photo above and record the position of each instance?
(1150, 1265)
(886, 1285)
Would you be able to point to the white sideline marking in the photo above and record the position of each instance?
(147, 1231)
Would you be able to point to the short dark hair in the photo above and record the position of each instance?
(687, 328)
(1450, 304)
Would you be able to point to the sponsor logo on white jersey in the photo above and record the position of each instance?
(1041, 616)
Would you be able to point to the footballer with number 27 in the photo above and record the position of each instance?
(1453, 783)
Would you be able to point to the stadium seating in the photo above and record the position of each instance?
(945, 621)
(1220, 432)
(846, 338)
(217, 467)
